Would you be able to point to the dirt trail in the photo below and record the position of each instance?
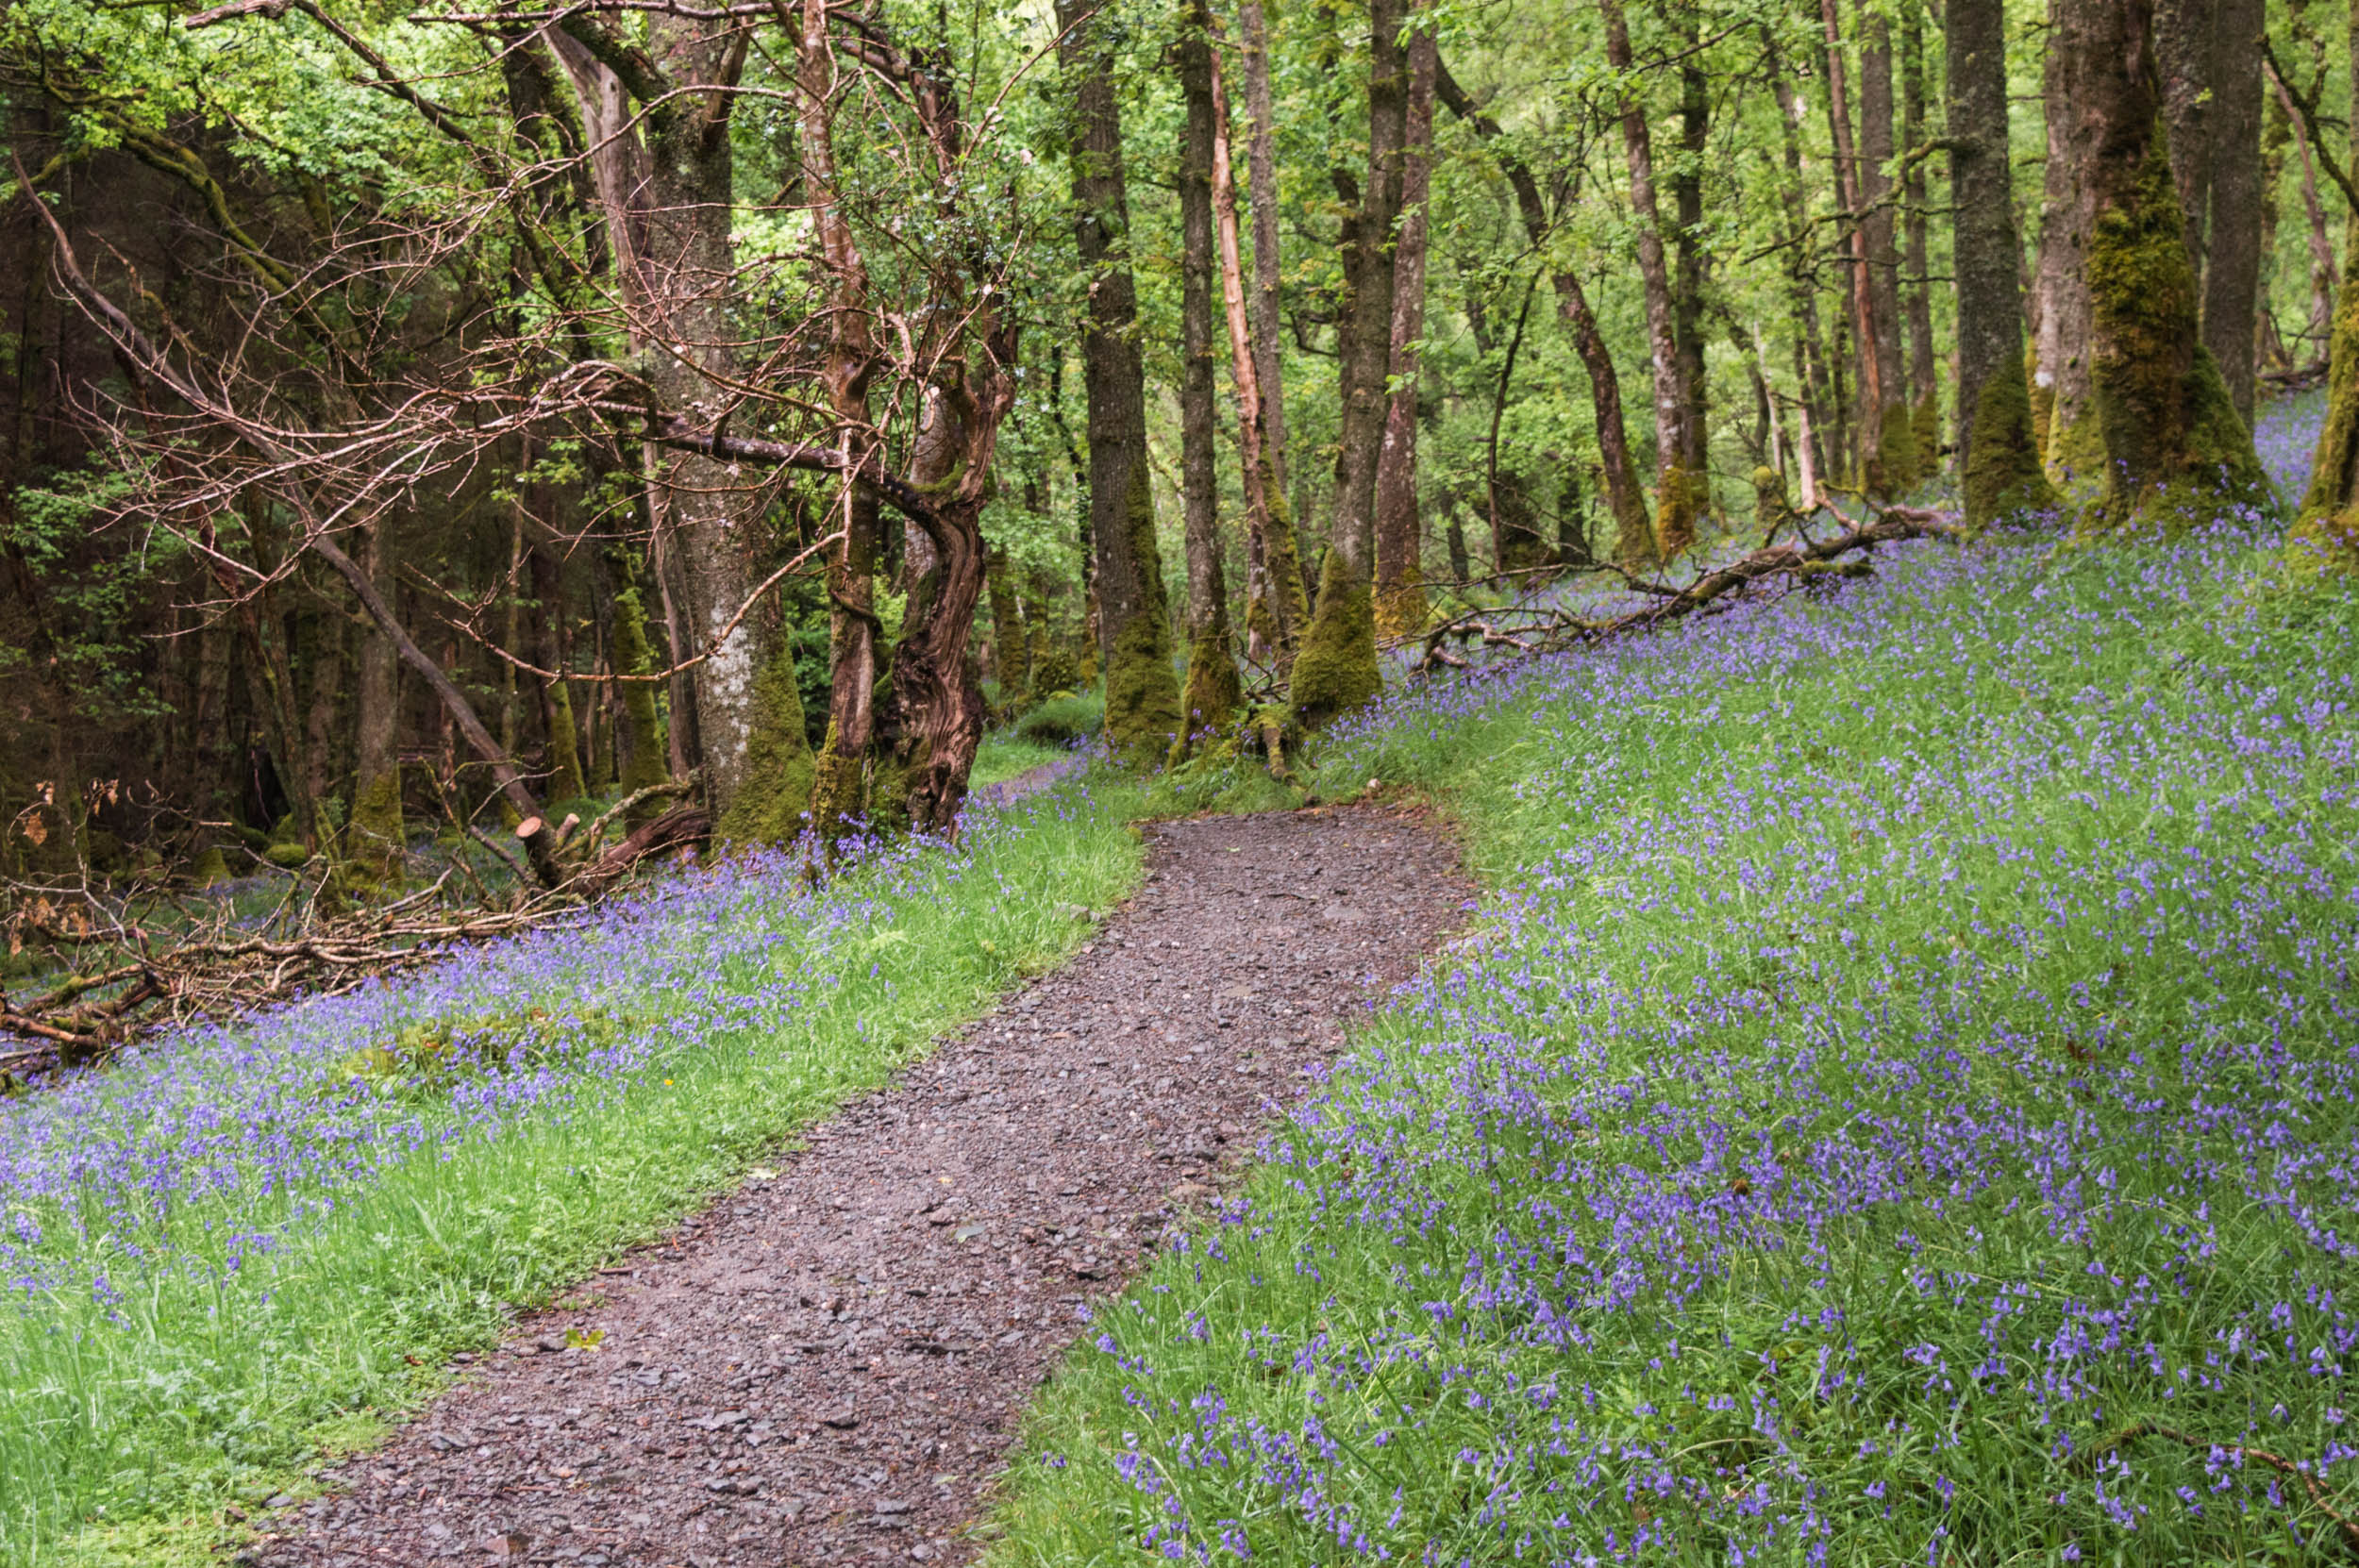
(825, 1366)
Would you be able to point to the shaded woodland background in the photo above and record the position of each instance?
(426, 419)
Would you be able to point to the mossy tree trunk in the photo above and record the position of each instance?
(562, 767)
(1212, 691)
(1011, 655)
(1689, 246)
(1336, 670)
(639, 742)
(2000, 454)
(2167, 423)
(1141, 695)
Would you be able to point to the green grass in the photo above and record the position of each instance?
(124, 1435)
(2016, 894)
(1001, 757)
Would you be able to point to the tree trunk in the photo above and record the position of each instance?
(2163, 410)
(375, 826)
(1998, 453)
(2329, 522)
(1212, 693)
(1277, 606)
(1635, 540)
(1400, 602)
(1011, 655)
(2276, 141)
(2231, 256)
(1917, 289)
(1677, 490)
(639, 745)
(2184, 50)
(1850, 186)
(1262, 193)
(1336, 669)
(2064, 397)
(1687, 274)
(561, 778)
(1142, 714)
(1819, 392)
(1884, 414)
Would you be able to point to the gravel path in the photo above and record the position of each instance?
(825, 1366)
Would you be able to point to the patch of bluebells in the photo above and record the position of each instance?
(204, 1149)
(1903, 1106)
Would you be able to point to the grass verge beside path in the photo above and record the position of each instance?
(1903, 1106)
(238, 1246)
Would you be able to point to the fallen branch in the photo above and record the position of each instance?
(1547, 630)
(2310, 1483)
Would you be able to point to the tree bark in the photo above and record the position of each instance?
(1677, 490)
(1998, 453)
(1336, 669)
(376, 816)
(677, 263)
(2164, 415)
(1142, 715)
(1917, 289)
(1687, 273)
(1261, 194)
(1850, 191)
(1819, 392)
(2184, 51)
(1277, 606)
(2231, 263)
(1886, 418)
(1400, 602)
(2064, 392)
(1212, 691)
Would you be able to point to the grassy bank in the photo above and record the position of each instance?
(1899, 1107)
(241, 1246)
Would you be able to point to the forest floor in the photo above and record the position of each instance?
(822, 1367)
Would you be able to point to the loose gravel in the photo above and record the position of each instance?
(826, 1365)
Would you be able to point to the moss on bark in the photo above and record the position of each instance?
(1678, 500)
(1895, 449)
(770, 804)
(565, 780)
(1925, 419)
(2172, 437)
(1400, 607)
(1214, 692)
(1142, 715)
(2003, 476)
(644, 760)
(838, 789)
(1335, 669)
(1770, 506)
(373, 835)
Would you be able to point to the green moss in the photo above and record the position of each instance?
(1678, 500)
(1142, 696)
(1896, 451)
(372, 840)
(211, 867)
(770, 804)
(2334, 473)
(287, 854)
(644, 760)
(1770, 506)
(1214, 692)
(2003, 475)
(564, 781)
(1336, 670)
(1280, 560)
(1400, 607)
(838, 789)
(2163, 411)
(1926, 419)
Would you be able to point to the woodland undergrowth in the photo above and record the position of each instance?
(238, 1250)
(1899, 1104)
